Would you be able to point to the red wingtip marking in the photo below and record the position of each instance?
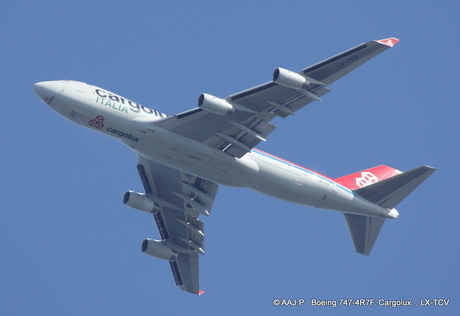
(200, 292)
(388, 41)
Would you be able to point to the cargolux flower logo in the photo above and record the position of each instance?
(366, 179)
(97, 122)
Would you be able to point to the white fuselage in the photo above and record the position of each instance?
(133, 125)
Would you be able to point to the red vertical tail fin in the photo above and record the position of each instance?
(366, 177)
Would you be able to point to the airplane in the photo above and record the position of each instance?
(182, 159)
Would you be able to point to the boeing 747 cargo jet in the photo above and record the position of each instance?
(185, 157)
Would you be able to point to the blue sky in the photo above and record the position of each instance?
(70, 247)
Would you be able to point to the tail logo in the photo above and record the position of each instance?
(97, 122)
(367, 178)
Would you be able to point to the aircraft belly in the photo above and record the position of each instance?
(282, 182)
(290, 183)
(196, 158)
(268, 176)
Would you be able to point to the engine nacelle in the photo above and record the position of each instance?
(157, 248)
(290, 79)
(215, 105)
(140, 202)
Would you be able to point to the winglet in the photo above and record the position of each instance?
(200, 292)
(390, 42)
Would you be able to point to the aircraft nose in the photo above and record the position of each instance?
(46, 90)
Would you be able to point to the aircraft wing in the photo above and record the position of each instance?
(181, 198)
(237, 133)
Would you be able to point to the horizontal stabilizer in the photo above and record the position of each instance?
(363, 231)
(389, 192)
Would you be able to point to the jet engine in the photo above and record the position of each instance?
(215, 105)
(157, 248)
(290, 79)
(140, 202)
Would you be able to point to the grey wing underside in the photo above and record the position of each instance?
(236, 134)
(181, 198)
